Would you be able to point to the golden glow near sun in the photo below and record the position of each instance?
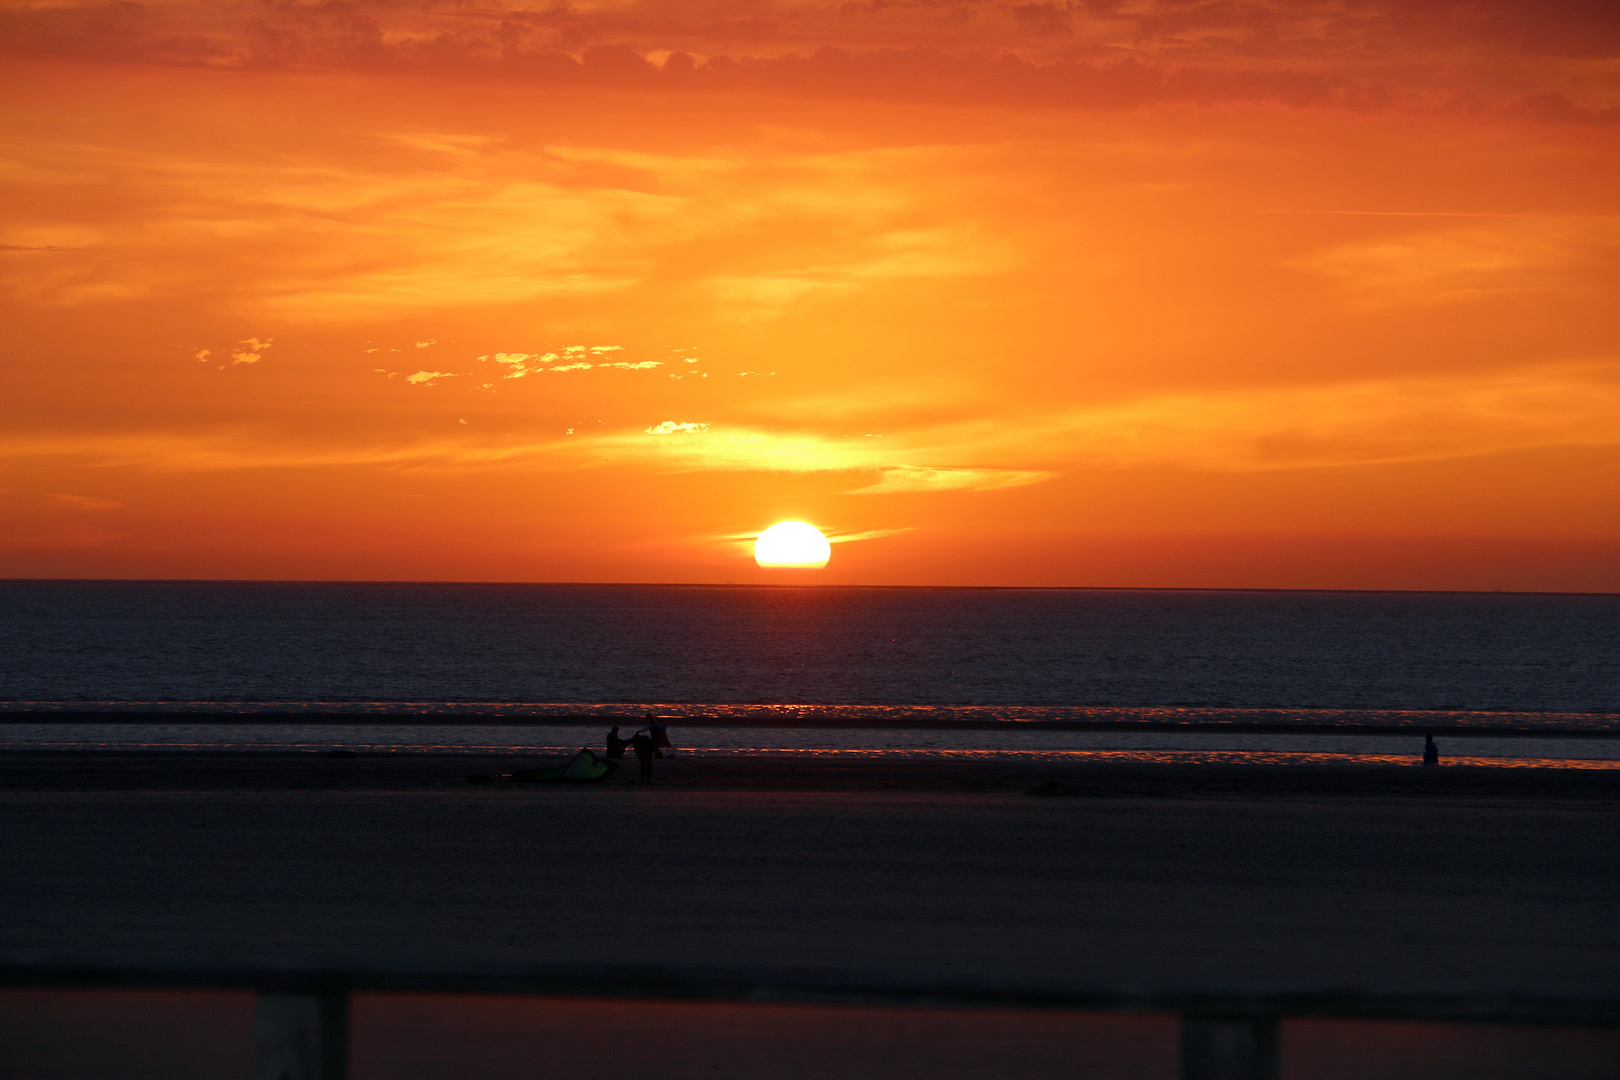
(792, 543)
(1250, 304)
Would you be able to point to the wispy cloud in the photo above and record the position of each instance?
(428, 377)
(1333, 425)
(835, 537)
(493, 225)
(1338, 424)
(911, 479)
(84, 502)
(1357, 423)
(522, 364)
(1514, 255)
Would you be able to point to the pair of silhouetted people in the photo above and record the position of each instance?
(647, 744)
(1431, 752)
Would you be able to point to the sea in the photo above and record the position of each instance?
(1502, 679)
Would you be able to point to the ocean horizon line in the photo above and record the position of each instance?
(783, 585)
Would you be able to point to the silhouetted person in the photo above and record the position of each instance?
(616, 743)
(642, 744)
(1431, 752)
(659, 733)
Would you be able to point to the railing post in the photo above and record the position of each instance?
(1229, 1048)
(301, 1037)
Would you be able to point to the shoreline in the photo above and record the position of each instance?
(64, 771)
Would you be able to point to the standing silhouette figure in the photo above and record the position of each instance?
(642, 744)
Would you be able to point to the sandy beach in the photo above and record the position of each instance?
(1376, 877)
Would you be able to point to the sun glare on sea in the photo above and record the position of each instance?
(792, 543)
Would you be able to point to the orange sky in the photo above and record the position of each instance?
(1108, 293)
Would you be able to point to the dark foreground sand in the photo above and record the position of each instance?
(1377, 877)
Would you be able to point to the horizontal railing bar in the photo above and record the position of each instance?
(811, 988)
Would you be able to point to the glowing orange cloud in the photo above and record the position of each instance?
(1280, 294)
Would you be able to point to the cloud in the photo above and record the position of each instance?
(671, 427)
(1097, 55)
(560, 225)
(866, 534)
(1330, 425)
(428, 376)
(519, 365)
(1376, 421)
(426, 344)
(1555, 106)
(1504, 256)
(84, 502)
(911, 479)
(833, 536)
(736, 448)
(250, 350)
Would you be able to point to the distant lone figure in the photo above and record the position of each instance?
(616, 743)
(1431, 752)
(642, 744)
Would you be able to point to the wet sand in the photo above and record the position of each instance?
(1378, 877)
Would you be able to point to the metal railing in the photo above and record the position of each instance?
(301, 1028)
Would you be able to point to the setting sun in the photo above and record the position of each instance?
(792, 543)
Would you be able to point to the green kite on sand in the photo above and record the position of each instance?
(584, 768)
